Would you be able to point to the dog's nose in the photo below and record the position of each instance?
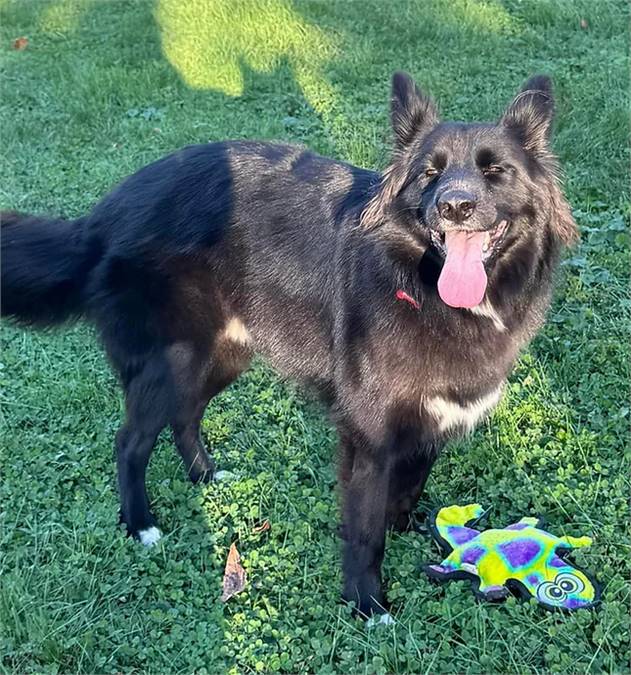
(456, 205)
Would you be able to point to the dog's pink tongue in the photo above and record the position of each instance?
(462, 283)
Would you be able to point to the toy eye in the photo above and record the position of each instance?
(569, 583)
(550, 593)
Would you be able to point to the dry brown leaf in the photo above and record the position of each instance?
(263, 527)
(20, 43)
(234, 577)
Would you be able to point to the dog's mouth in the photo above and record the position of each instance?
(462, 281)
(492, 239)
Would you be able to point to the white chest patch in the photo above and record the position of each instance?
(235, 331)
(449, 414)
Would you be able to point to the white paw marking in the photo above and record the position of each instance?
(487, 310)
(150, 536)
(450, 414)
(383, 620)
(387, 619)
(235, 331)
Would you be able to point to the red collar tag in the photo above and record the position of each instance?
(402, 295)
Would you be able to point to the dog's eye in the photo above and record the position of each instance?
(492, 170)
(431, 172)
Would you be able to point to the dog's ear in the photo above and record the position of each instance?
(561, 219)
(530, 117)
(413, 113)
(530, 114)
(413, 116)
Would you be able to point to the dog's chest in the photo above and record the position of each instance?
(448, 415)
(454, 384)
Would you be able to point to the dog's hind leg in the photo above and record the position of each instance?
(193, 388)
(198, 376)
(133, 447)
(187, 437)
(148, 401)
(172, 387)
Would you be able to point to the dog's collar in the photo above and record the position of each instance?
(402, 295)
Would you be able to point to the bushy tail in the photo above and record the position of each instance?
(43, 268)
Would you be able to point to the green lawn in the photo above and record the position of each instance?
(106, 86)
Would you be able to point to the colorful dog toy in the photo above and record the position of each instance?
(521, 558)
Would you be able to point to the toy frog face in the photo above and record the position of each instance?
(566, 587)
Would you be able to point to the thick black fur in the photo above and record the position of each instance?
(220, 251)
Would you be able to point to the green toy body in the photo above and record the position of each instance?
(521, 558)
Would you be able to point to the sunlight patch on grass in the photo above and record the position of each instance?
(479, 14)
(209, 43)
(489, 16)
(63, 17)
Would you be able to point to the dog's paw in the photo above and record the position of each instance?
(149, 537)
(385, 619)
(201, 477)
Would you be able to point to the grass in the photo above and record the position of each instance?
(105, 87)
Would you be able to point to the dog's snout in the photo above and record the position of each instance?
(456, 205)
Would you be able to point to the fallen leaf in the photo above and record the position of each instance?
(263, 527)
(234, 577)
(20, 43)
(584, 24)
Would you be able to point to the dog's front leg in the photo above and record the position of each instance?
(365, 497)
(408, 475)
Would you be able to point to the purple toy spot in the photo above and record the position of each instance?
(521, 552)
(572, 603)
(533, 579)
(472, 555)
(517, 526)
(555, 561)
(461, 535)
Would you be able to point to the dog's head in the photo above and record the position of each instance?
(472, 192)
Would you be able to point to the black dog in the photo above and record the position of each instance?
(403, 298)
